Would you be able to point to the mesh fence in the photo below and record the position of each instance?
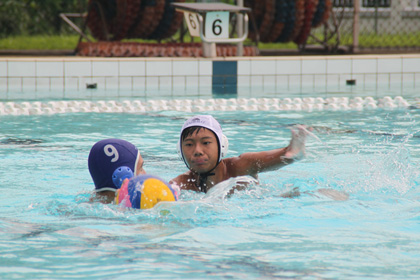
(338, 25)
(380, 25)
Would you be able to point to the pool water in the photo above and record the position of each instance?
(357, 216)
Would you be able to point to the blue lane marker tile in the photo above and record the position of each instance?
(225, 77)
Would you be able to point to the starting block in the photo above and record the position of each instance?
(211, 22)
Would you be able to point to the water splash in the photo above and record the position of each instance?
(390, 171)
(224, 189)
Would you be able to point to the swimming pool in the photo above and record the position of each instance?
(50, 230)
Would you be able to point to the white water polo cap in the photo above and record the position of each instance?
(210, 123)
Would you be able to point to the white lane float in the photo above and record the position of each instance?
(308, 104)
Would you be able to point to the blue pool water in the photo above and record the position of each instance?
(358, 215)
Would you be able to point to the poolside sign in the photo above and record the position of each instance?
(217, 25)
(192, 22)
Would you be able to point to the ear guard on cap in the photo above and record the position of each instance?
(224, 146)
(120, 174)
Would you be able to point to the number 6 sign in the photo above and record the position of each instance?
(217, 25)
(192, 23)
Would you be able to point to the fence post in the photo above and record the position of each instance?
(239, 29)
(356, 27)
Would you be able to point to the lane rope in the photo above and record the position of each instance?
(204, 105)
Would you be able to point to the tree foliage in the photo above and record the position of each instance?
(36, 17)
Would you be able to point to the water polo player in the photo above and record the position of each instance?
(202, 147)
(116, 167)
(110, 162)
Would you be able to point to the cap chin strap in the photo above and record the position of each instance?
(202, 179)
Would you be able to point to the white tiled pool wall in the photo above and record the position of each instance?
(67, 77)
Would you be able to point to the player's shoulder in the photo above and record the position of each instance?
(240, 165)
(239, 160)
(182, 178)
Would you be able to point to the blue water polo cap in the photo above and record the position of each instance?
(120, 174)
(106, 158)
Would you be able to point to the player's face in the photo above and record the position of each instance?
(201, 150)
